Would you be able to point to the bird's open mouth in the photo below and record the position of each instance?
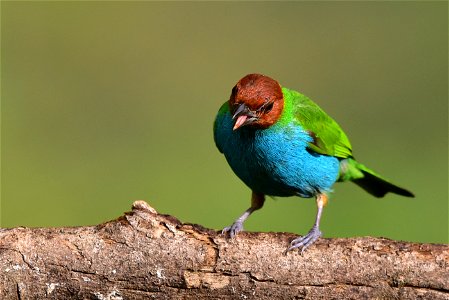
(243, 116)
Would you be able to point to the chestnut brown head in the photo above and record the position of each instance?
(256, 101)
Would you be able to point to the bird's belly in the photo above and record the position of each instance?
(278, 163)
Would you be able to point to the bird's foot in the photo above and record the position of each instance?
(304, 242)
(232, 230)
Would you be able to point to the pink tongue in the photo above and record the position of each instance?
(240, 121)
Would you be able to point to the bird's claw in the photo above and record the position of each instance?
(304, 242)
(232, 230)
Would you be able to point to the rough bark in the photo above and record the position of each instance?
(144, 255)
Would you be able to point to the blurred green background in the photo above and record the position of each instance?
(104, 103)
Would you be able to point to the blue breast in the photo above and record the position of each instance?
(275, 161)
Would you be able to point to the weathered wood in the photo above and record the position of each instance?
(145, 255)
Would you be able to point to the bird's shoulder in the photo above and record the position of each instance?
(328, 137)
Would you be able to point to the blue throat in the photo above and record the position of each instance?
(275, 161)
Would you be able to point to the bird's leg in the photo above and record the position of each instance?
(257, 201)
(305, 241)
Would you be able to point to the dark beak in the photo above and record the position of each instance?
(243, 116)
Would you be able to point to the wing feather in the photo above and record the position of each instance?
(328, 137)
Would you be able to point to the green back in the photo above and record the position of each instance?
(329, 138)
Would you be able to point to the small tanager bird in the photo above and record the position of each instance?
(281, 143)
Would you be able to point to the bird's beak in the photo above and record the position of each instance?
(243, 116)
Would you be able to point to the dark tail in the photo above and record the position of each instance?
(368, 180)
(379, 187)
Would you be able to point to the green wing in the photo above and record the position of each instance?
(328, 137)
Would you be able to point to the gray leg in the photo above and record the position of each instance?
(257, 201)
(305, 241)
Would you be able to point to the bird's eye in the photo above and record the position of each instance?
(266, 107)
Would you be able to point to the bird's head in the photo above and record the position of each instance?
(256, 101)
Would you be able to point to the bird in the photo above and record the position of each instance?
(280, 143)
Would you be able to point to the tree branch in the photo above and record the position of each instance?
(144, 255)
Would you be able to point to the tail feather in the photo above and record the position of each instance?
(367, 179)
